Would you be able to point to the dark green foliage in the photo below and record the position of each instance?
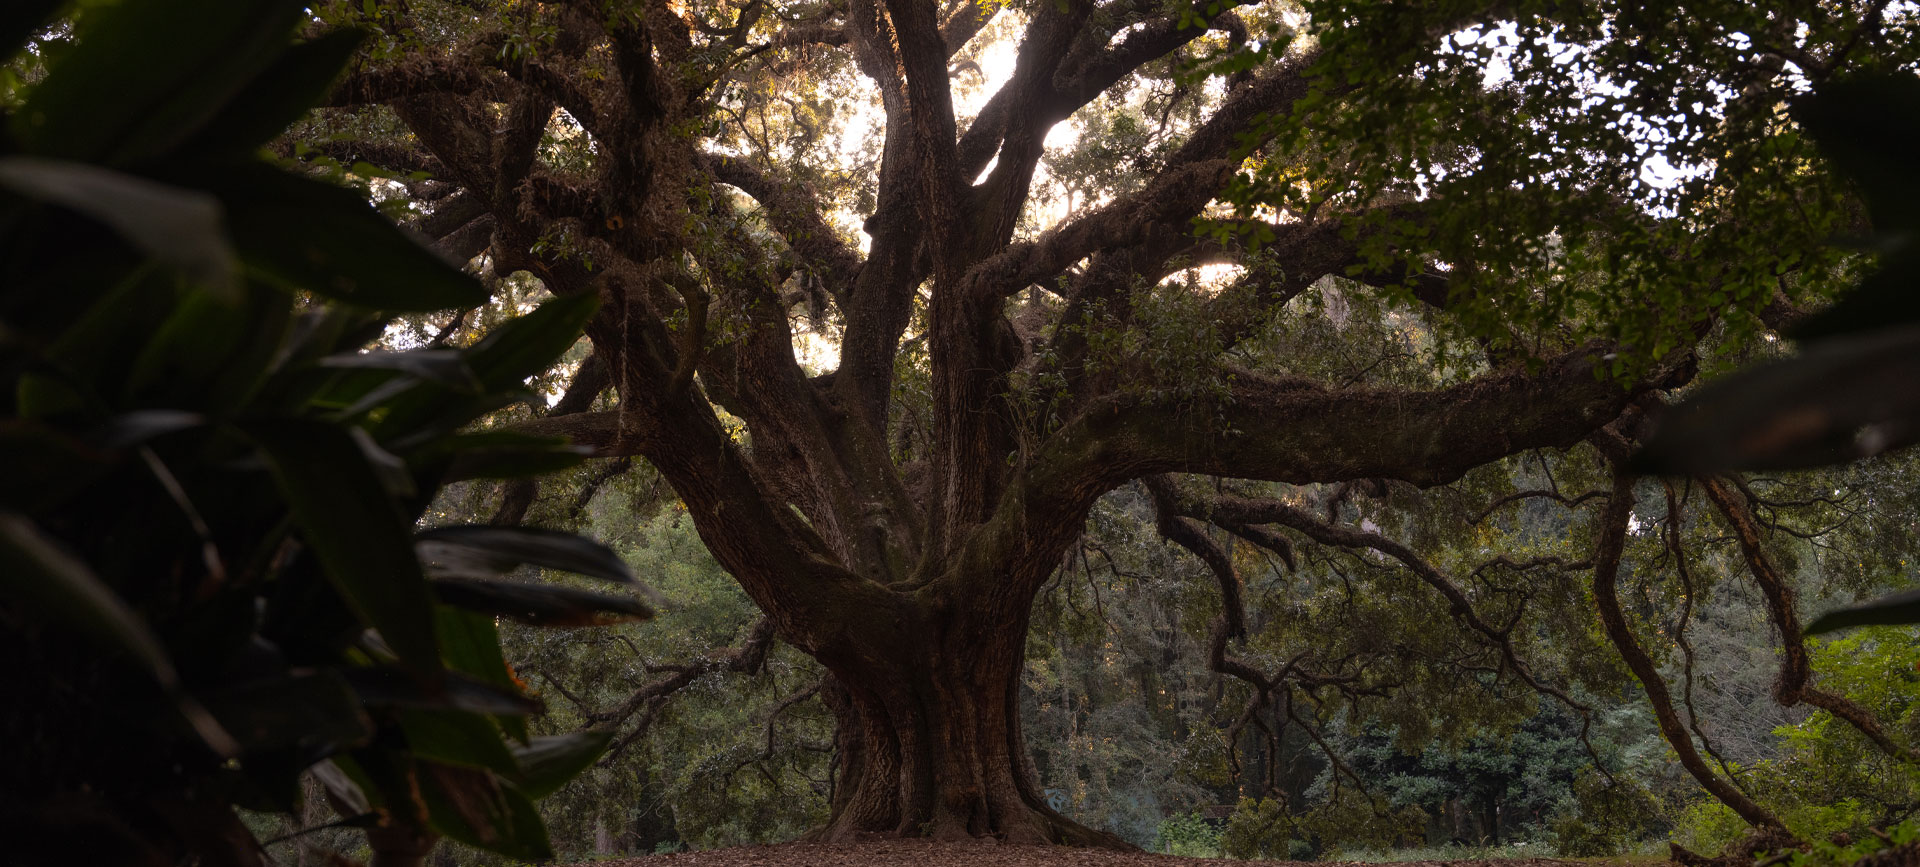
(1263, 828)
(482, 552)
(1524, 146)
(1608, 816)
(1896, 845)
(1840, 400)
(345, 250)
(1892, 609)
(541, 606)
(1506, 784)
(1190, 835)
(210, 582)
(698, 771)
(1848, 396)
(1866, 127)
(1825, 778)
(1852, 393)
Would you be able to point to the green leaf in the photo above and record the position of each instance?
(356, 531)
(315, 710)
(61, 589)
(191, 353)
(55, 587)
(507, 455)
(538, 605)
(330, 330)
(191, 60)
(175, 225)
(457, 738)
(476, 808)
(92, 357)
(526, 346)
(471, 645)
(355, 384)
(344, 249)
(549, 762)
(1895, 609)
(298, 80)
(503, 360)
(211, 353)
(1866, 126)
(447, 367)
(1886, 298)
(390, 687)
(480, 551)
(351, 395)
(341, 787)
(426, 417)
(384, 779)
(395, 478)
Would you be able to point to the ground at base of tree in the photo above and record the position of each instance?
(922, 853)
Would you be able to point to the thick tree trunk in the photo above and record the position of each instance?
(929, 739)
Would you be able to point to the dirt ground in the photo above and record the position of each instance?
(920, 853)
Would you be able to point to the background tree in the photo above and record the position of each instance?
(899, 528)
(1489, 787)
(1009, 351)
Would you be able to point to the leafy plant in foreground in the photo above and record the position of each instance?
(1896, 845)
(1826, 779)
(1850, 393)
(210, 583)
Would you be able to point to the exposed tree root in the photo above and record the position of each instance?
(1741, 852)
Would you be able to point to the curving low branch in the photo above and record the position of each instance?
(1608, 550)
(1250, 511)
(649, 700)
(1794, 683)
(1676, 548)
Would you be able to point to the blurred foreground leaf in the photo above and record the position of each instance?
(1890, 610)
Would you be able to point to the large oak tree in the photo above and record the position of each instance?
(896, 515)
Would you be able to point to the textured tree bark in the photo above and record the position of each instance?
(929, 737)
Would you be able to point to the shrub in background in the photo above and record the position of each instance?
(1262, 828)
(1190, 835)
(1607, 818)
